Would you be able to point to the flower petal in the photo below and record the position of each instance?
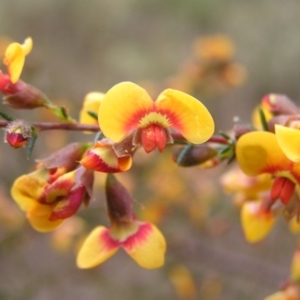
(96, 249)
(102, 158)
(256, 224)
(258, 152)
(27, 46)
(289, 141)
(38, 216)
(147, 246)
(27, 189)
(14, 60)
(121, 110)
(91, 103)
(186, 114)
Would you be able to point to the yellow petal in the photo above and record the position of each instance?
(121, 110)
(14, 60)
(102, 158)
(39, 215)
(289, 141)
(27, 46)
(147, 247)
(96, 249)
(256, 225)
(187, 115)
(91, 102)
(183, 282)
(258, 152)
(27, 189)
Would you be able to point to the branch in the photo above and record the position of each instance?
(61, 126)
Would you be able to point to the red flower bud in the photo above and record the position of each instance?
(17, 133)
(21, 95)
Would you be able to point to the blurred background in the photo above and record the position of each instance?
(84, 46)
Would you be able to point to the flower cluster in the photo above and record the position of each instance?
(125, 120)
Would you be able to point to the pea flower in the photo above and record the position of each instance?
(55, 190)
(48, 205)
(19, 94)
(258, 153)
(128, 108)
(141, 240)
(105, 157)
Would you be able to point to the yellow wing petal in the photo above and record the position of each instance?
(121, 110)
(187, 115)
(96, 249)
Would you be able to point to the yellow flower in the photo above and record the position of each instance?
(127, 107)
(142, 241)
(14, 58)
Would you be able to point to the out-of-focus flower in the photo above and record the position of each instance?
(258, 153)
(17, 133)
(215, 47)
(245, 188)
(128, 108)
(183, 282)
(141, 240)
(295, 267)
(91, 103)
(289, 141)
(256, 222)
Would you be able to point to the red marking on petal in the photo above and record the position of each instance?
(71, 205)
(133, 122)
(109, 242)
(95, 162)
(138, 238)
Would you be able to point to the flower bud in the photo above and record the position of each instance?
(192, 156)
(21, 95)
(279, 104)
(17, 133)
(119, 201)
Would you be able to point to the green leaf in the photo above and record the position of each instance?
(6, 116)
(225, 135)
(31, 143)
(263, 120)
(93, 114)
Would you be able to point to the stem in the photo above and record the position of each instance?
(61, 126)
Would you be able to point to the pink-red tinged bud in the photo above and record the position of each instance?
(17, 133)
(21, 95)
(192, 156)
(279, 104)
(119, 202)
